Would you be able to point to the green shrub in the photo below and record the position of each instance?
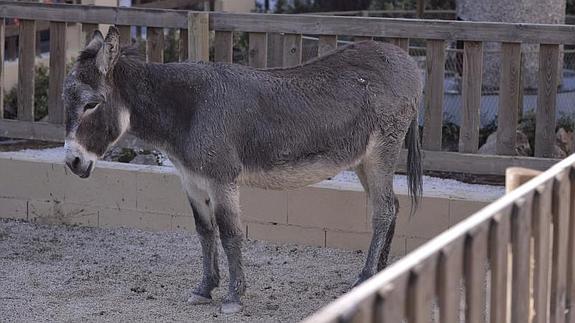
(527, 126)
(41, 81)
(40, 95)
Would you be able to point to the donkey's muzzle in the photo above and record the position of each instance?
(79, 167)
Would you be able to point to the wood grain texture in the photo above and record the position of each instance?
(2, 42)
(560, 211)
(541, 223)
(546, 100)
(517, 176)
(258, 50)
(471, 97)
(125, 35)
(155, 45)
(362, 38)
(32, 130)
(275, 49)
(292, 50)
(198, 36)
(520, 247)
(421, 291)
(499, 238)
(56, 113)
(299, 24)
(391, 306)
(183, 45)
(509, 88)
(26, 57)
(396, 28)
(570, 298)
(474, 163)
(87, 33)
(327, 43)
(433, 116)
(224, 46)
(475, 271)
(402, 43)
(450, 272)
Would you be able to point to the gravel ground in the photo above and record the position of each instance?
(64, 273)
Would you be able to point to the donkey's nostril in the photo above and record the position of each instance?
(76, 162)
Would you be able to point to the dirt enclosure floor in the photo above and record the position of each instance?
(64, 273)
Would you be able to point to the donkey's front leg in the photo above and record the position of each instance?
(227, 212)
(206, 228)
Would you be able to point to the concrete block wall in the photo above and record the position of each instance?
(150, 198)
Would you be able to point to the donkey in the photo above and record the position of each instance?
(223, 125)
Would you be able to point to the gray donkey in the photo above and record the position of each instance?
(224, 125)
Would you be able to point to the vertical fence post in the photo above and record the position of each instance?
(87, 32)
(475, 266)
(499, 237)
(258, 50)
(471, 96)
(2, 38)
(224, 46)
(421, 291)
(57, 71)
(560, 211)
(402, 43)
(520, 246)
(199, 36)
(292, 50)
(391, 306)
(125, 35)
(449, 280)
(542, 241)
(546, 100)
(26, 57)
(571, 250)
(155, 45)
(183, 45)
(433, 122)
(508, 98)
(276, 49)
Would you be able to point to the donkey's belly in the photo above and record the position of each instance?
(291, 177)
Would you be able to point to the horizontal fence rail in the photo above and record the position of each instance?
(303, 24)
(486, 265)
(280, 41)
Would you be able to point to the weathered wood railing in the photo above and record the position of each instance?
(280, 37)
(516, 258)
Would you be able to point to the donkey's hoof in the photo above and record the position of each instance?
(231, 308)
(196, 299)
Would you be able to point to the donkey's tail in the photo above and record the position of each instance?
(414, 171)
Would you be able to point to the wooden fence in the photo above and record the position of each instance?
(280, 36)
(513, 259)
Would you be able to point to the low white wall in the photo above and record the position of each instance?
(332, 214)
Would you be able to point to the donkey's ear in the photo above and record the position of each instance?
(97, 40)
(110, 51)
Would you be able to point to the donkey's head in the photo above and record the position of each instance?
(96, 118)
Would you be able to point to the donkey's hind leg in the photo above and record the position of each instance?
(359, 170)
(384, 257)
(376, 174)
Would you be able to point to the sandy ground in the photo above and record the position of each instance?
(63, 273)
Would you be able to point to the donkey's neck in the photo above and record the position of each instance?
(159, 98)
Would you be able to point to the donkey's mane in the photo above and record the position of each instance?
(129, 52)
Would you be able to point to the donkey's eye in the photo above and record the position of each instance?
(90, 106)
